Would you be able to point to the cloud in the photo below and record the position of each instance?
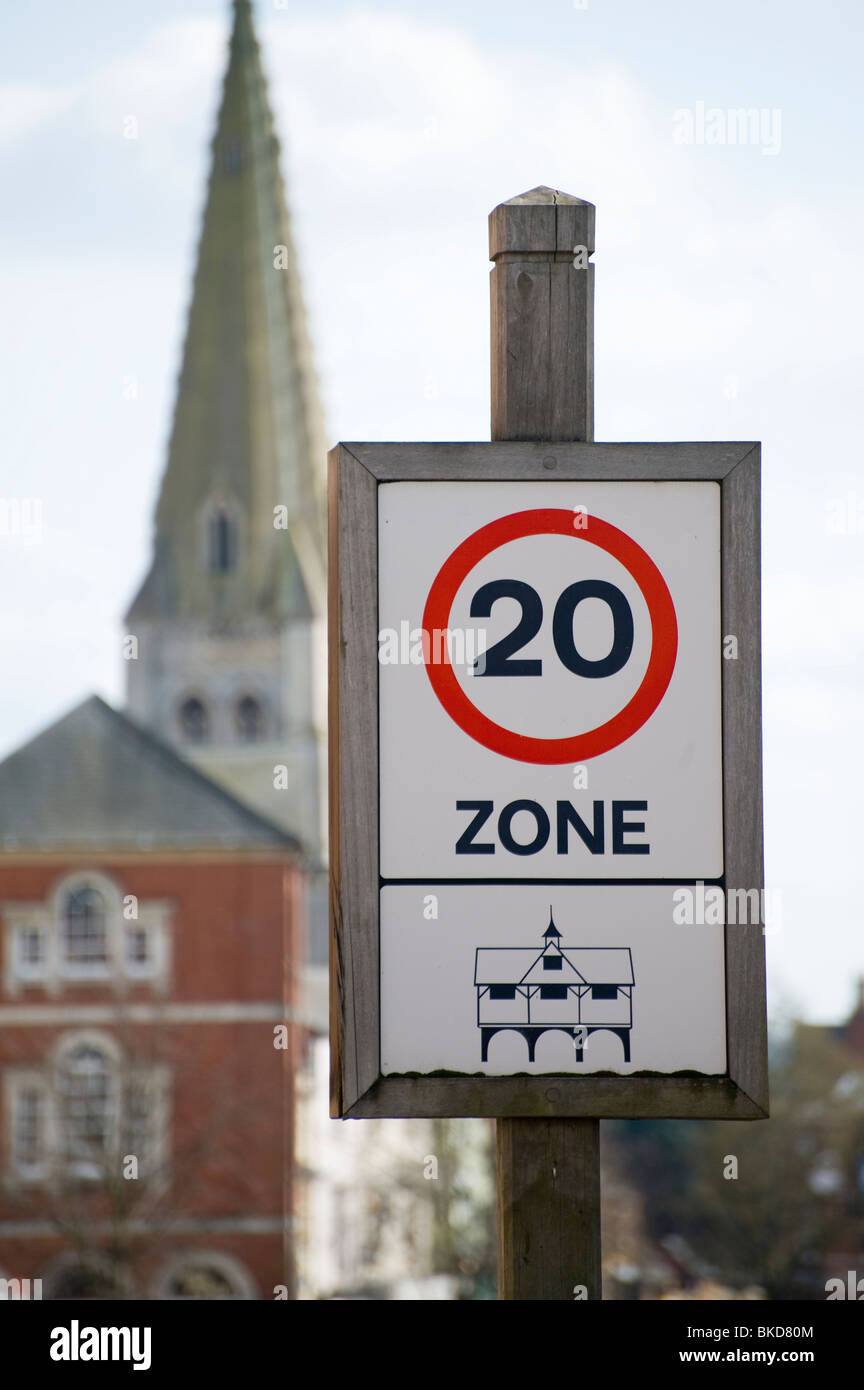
(27, 107)
(169, 85)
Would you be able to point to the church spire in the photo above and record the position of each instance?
(247, 436)
(229, 622)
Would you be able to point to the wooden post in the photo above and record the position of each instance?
(542, 318)
(543, 389)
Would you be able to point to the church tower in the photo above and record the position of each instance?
(229, 621)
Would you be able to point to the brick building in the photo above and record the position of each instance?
(154, 901)
(147, 966)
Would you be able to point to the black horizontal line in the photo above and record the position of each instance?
(556, 882)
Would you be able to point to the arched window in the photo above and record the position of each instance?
(250, 719)
(194, 722)
(74, 1115)
(90, 1276)
(87, 1103)
(205, 1274)
(200, 1281)
(83, 928)
(221, 542)
(85, 1281)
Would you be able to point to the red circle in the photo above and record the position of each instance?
(664, 636)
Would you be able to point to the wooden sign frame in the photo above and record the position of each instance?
(358, 1089)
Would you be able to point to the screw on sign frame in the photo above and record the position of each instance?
(664, 636)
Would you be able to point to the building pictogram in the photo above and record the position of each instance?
(578, 990)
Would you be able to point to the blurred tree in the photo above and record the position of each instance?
(775, 1202)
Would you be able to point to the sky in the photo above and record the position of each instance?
(729, 295)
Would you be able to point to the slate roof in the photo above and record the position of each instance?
(96, 780)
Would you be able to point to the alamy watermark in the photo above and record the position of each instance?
(738, 125)
(20, 1290)
(713, 906)
(845, 515)
(417, 646)
(77, 1343)
(852, 1287)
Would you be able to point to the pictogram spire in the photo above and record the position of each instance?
(551, 931)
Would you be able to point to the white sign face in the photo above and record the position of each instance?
(494, 980)
(585, 741)
(549, 705)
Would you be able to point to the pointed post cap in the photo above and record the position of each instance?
(544, 222)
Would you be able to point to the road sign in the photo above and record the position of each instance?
(546, 758)
(586, 741)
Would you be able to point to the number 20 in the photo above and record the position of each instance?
(499, 660)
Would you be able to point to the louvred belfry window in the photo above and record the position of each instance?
(221, 542)
(83, 928)
(194, 722)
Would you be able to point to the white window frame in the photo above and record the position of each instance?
(18, 918)
(102, 1043)
(231, 1269)
(92, 970)
(54, 972)
(16, 1081)
(28, 969)
(54, 1166)
(154, 917)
